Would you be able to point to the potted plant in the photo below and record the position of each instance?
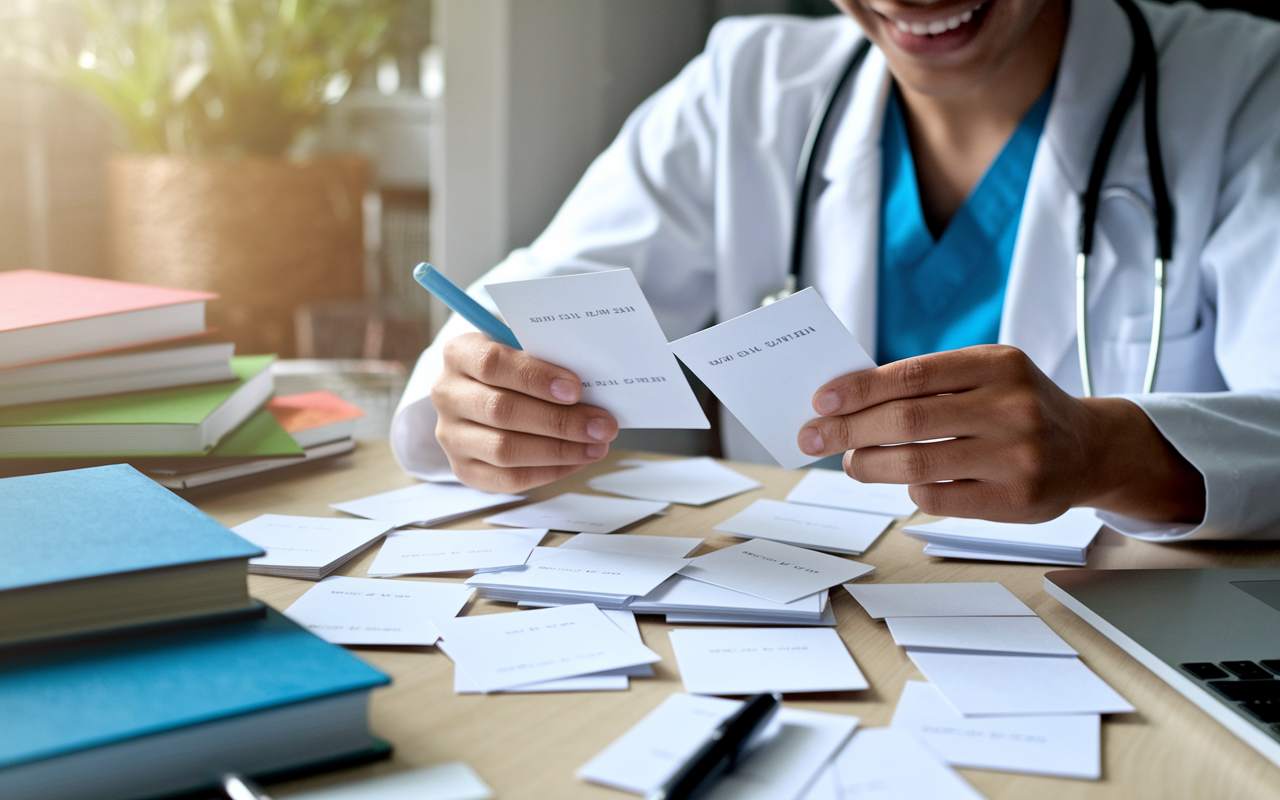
(210, 98)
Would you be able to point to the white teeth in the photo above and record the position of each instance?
(937, 26)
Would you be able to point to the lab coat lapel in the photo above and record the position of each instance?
(842, 257)
(1039, 305)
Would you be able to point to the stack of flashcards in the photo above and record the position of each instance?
(427, 552)
(307, 547)
(832, 530)
(686, 600)
(425, 504)
(833, 489)
(691, 481)
(1064, 540)
(672, 546)
(560, 576)
(993, 666)
(499, 652)
(772, 570)
(795, 751)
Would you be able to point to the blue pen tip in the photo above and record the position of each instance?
(420, 272)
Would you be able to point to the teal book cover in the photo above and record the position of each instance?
(85, 523)
(64, 700)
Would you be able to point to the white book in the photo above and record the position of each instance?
(115, 374)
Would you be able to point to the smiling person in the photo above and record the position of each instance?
(966, 154)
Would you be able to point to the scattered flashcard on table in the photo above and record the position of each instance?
(499, 651)
(1062, 540)
(834, 489)
(690, 481)
(610, 681)
(636, 543)
(1021, 635)
(888, 764)
(681, 595)
(599, 326)
(426, 504)
(424, 552)
(583, 572)
(773, 570)
(452, 780)
(751, 660)
(938, 600)
(942, 551)
(981, 685)
(832, 530)
(580, 513)
(1067, 745)
(782, 767)
(766, 365)
(368, 611)
(307, 547)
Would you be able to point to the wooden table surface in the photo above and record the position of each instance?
(529, 745)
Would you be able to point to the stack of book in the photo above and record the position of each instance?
(101, 371)
(133, 662)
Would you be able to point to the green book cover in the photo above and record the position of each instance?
(126, 425)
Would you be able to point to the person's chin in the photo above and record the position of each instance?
(939, 35)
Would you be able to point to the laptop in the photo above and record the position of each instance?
(1211, 634)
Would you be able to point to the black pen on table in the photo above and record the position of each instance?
(719, 755)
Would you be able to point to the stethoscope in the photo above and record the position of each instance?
(1142, 64)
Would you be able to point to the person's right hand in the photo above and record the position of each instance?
(509, 422)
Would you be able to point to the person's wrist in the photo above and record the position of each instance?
(1133, 470)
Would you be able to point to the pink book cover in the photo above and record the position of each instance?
(29, 298)
(300, 412)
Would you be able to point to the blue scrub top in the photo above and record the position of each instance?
(948, 293)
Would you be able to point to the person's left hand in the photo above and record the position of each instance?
(1015, 447)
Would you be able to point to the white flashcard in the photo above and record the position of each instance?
(613, 680)
(599, 326)
(983, 685)
(635, 543)
(307, 544)
(1020, 635)
(681, 594)
(499, 651)
(751, 660)
(1067, 745)
(832, 530)
(452, 780)
(772, 570)
(585, 572)
(579, 513)
(824, 787)
(782, 768)
(766, 365)
(942, 551)
(888, 764)
(425, 552)
(938, 600)
(425, 504)
(834, 489)
(690, 481)
(369, 611)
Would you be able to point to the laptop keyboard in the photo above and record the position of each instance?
(1255, 690)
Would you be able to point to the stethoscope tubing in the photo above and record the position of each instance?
(1143, 64)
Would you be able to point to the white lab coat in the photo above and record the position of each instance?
(696, 196)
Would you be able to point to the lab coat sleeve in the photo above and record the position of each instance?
(647, 203)
(1233, 437)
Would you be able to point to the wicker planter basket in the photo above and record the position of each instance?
(268, 235)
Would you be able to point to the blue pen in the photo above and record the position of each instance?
(447, 292)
